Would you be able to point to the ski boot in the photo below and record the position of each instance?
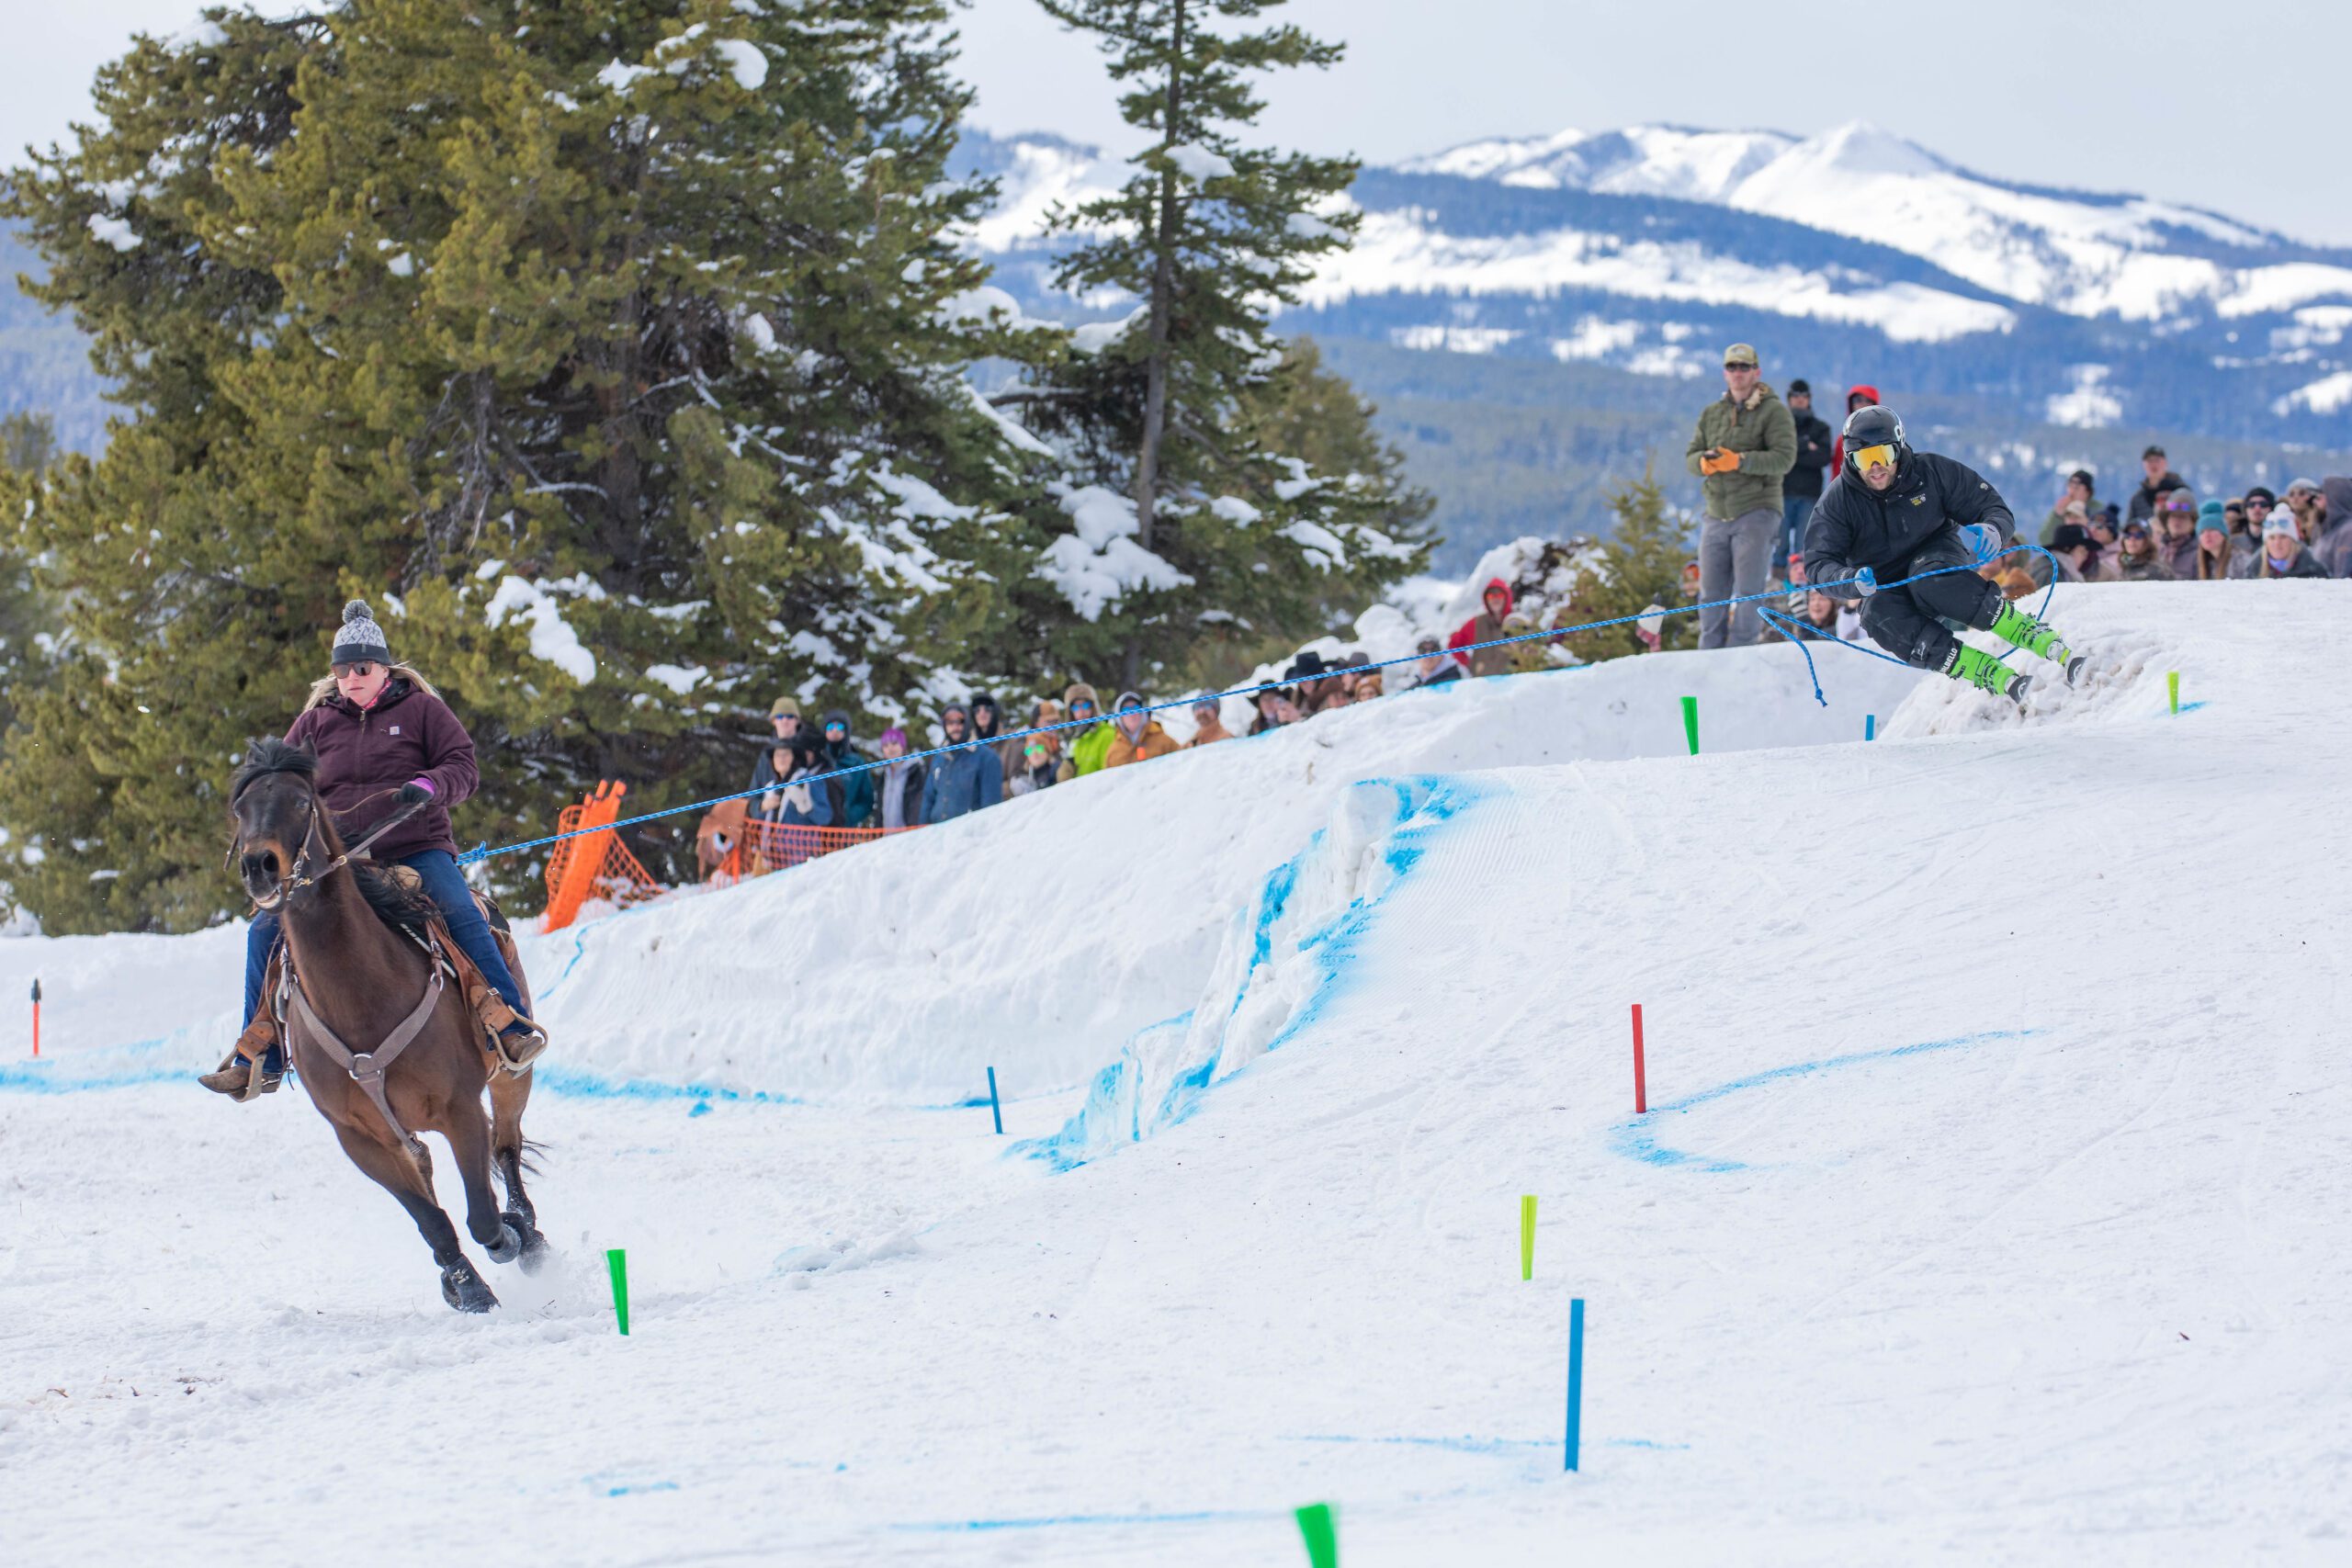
(2019, 629)
(1974, 667)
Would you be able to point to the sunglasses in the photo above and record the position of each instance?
(1081, 707)
(362, 669)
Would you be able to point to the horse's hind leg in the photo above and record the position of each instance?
(508, 1095)
(392, 1169)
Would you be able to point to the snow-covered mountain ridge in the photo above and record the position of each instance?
(1850, 256)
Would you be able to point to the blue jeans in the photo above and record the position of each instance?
(445, 885)
(1796, 511)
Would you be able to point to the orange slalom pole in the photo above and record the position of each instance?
(36, 1017)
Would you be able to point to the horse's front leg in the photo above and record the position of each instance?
(390, 1169)
(468, 1136)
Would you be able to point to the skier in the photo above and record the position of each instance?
(1895, 513)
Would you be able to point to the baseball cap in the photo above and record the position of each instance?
(2082, 477)
(2151, 452)
(1745, 354)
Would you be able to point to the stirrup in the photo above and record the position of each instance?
(516, 1053)
(256, 1082)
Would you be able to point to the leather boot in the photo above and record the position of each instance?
(243, 1072)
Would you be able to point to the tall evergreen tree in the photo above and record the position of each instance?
(1209, 237)
(615, 351)
(1641, 565)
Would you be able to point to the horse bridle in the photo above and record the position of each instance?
(301, 878)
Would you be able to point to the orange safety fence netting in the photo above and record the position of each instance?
(729, 852)
(596, 865)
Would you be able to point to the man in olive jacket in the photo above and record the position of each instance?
(1745, 444)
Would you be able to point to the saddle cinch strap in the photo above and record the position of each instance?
(368, 1067)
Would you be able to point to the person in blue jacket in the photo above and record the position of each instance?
(961, 781)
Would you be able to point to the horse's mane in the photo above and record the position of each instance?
(270, 755)
(396, 903)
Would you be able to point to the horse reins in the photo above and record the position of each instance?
(301, 878)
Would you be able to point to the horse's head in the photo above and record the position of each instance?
(276, 804)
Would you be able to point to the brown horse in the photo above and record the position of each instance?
(356, 942)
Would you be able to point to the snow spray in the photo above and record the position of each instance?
(2172, 688)
(1527, 1237)
(995, 1110)
(1575, 1376)
(1641, 1090)
(1690, 722)
(617, 1258)
(36, 1017)
(1322, 1539)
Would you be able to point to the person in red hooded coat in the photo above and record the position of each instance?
(1859, 396)
(1487, 626)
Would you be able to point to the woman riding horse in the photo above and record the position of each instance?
(385, 740)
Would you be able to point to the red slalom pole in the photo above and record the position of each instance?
(1641, 1091)
(36, 1017)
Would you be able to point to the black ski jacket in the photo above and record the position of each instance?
(1813, 440)
(1856, 527)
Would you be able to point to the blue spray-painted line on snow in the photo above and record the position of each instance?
(1051, 1521)
(1114, 1113)
(54, 1075)
(1638, 1139)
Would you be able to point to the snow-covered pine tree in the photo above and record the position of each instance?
(614, 351)
(1180, 520)
(1641, 564)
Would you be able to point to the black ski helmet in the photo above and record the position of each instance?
(1875, 425)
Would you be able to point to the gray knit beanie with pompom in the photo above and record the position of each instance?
(360, 639)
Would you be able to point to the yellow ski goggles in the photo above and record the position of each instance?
(1864, 460)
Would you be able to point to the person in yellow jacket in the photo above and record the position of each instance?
(1139, 738)
(1083, 748)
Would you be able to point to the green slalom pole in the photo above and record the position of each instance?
(1690, 722)
(2172, 688)
(1527, 1237)
(1322, 1535)
(618, 1259)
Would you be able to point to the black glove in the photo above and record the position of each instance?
(416, 792)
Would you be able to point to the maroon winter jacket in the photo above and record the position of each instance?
(364, 757)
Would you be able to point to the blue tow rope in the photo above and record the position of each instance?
(1779, 621)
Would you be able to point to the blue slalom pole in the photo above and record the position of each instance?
(995, 1111)
(1576, 1375)
(1870, 726)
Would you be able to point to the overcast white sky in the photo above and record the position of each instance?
(2240, 105)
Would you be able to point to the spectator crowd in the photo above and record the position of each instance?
(1764, 463)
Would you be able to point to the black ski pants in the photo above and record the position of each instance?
(1908, 622)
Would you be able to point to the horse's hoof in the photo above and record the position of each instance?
(509, 1245)
(463, 1289)
(535, 1245)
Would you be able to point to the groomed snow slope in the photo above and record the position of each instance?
(1990, 1203)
